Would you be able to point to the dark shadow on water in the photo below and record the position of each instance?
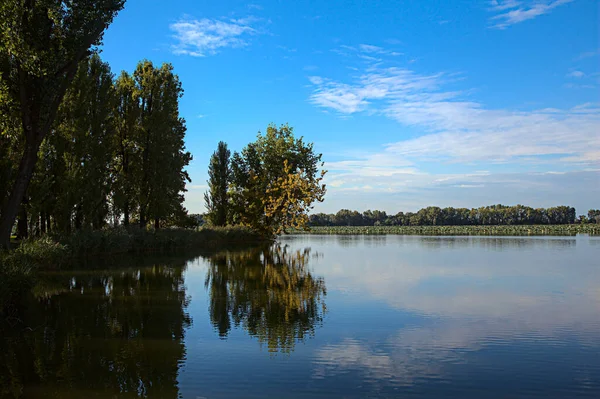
(98, 333)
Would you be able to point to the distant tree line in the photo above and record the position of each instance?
(435, 216)
(114, 153)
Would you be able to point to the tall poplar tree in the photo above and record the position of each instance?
(162, 176)
(217, 198)
(127, 113)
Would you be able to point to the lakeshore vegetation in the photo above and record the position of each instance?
(482, 216)
(489, 230)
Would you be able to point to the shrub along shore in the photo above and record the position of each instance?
(500, 230)
(55, 251)
(18, 267)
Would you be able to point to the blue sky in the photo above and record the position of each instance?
(412, 103)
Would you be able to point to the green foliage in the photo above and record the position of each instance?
(116, 150)
(275, 181)
(56, 251)
(217, 197)
(126, 159)
(594, 216)
(73, 174)
(435, 216)
(162, 177)
(41, 45)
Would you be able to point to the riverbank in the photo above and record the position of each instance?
(503, 230)
(57, 251)
(18, 267)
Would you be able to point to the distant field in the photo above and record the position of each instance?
(535, 230)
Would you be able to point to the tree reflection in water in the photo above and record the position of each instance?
(99, 334)
(269, 292)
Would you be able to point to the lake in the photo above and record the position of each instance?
(318, 317)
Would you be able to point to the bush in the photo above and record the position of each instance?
(54, 251)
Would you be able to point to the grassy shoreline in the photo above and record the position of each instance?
(56, 251)
(19, 267)
(502, 230)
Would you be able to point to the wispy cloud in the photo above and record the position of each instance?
(457, 128)
(202, 37)
(499, 5)
(367, 52)
(575, 74)
(578, 86)
(196, 187)
(587, 54)
(510, 12)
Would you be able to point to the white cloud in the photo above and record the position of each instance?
(587, 54)
(512, 12)
(365, 51)
(201, 37)
(459, 129)
(499, 5)
(578, 86)
(576, 74)
(196, 187)
(340, 97)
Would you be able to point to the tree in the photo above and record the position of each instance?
(127, 112)
(275, 181)
(10, 142)
(84, 139)
(41, 44)
(162, 176)
(435, 216)
(217, 198)
(594, 216)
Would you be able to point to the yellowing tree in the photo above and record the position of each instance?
(275, 182)
(290, 197)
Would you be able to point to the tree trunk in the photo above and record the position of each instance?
(22, 223)
(48, 222)
(78, 217)
(43, 222)
(156, 224)
(37, 225)
(126, 214)
(9, 213)
(143, 221)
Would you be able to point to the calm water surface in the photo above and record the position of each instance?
(319, 317)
